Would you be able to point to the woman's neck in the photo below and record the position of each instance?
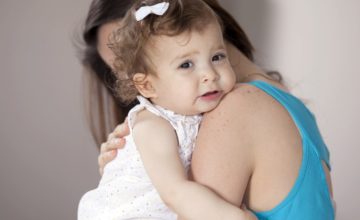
(243, 67)
(246, 70)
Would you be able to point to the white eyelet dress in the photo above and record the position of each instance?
(125, 190)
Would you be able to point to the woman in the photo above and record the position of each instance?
(256, 147)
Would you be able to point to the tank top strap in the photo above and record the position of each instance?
(174, 119)
(303, 118)
(290, 103)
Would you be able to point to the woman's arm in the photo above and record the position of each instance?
(159, 152)
(248, 149)
(223, 159)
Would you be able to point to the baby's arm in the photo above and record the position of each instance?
(157, 144)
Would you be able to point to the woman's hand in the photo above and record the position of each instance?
(248, 214)
(115, 141)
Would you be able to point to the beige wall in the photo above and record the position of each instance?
(47, 158)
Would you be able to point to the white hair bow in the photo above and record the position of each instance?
(158, 9)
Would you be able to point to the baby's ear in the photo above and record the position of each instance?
(144, 85)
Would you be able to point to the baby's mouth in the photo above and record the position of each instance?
(210, 93)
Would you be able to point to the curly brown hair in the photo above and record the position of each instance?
(129, 41)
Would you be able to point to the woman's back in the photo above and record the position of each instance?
(253, 154)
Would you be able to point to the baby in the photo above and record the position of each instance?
(171, 56)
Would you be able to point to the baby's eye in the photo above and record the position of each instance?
(186, 65)
(218, 57)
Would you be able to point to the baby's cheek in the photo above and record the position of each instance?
(229, 83)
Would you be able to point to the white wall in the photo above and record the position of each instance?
(315, 45)
(47, 158)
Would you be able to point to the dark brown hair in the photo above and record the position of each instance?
(104, 110)
(130, 41)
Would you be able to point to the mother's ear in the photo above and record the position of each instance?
(143, 84)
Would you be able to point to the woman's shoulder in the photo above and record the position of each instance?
(247, 96)
(251, 132)
(233, 137)
(251, 93)
(247, 106)
(246, 99)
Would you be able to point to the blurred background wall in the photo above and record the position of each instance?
(47, 157)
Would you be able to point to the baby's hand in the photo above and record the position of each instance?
(115, 141)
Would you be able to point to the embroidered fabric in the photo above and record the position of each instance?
(125, 190)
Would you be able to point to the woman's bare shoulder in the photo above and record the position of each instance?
(235, 123)
(235, 140)
(224, 146)
(248, 109)
(244, 101)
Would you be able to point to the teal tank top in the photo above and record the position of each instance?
(309, 198)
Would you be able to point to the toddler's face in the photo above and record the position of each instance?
(193, 72)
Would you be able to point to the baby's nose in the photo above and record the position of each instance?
(210, 75)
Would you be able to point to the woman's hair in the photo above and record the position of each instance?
(104, 110)
(131, 41)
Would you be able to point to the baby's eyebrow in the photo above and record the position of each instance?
(220, 47)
